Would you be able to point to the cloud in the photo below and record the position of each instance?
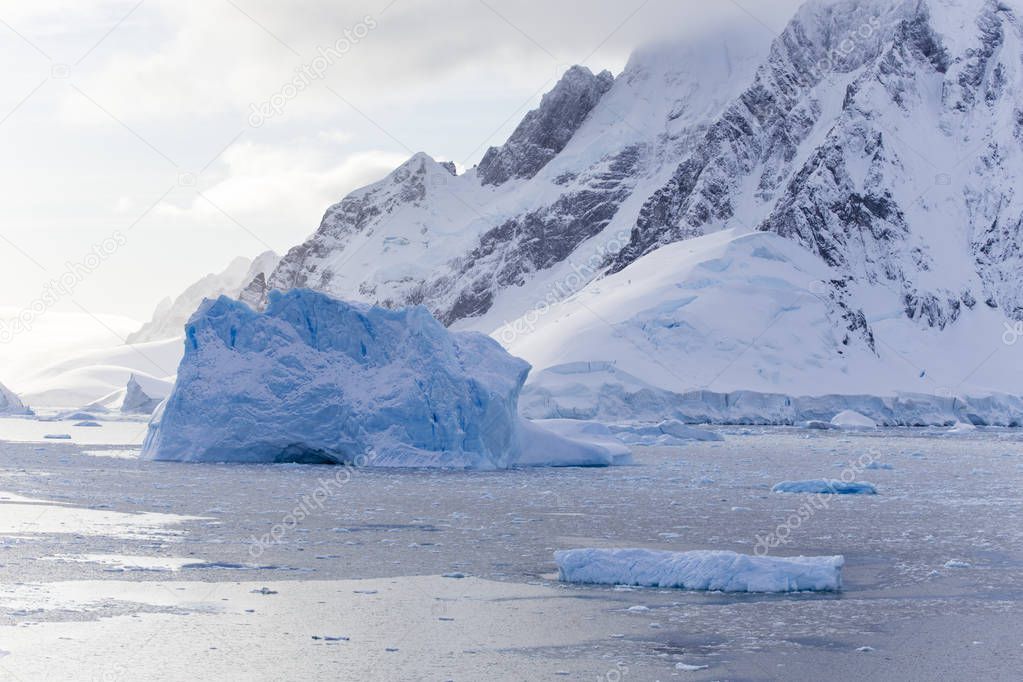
(275, 192)
(189, 58)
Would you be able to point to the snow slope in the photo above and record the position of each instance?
(318, 380)
(729, 312)
(101, 376)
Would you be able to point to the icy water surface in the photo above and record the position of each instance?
(112, 568)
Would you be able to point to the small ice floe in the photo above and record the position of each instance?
(456, 575)
(89, 424)
(638, 607)
(825, 487)
(700, 570)
(57, 436)
(688, 667)
(668, 432)
(956, 563)
(852, 420)
(865, 649)
(877, 466)
(961, 427)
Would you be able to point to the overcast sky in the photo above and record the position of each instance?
(144, 124)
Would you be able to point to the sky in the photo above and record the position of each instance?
(148, 143)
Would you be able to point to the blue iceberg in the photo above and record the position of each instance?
(317, 380)
(825, 487)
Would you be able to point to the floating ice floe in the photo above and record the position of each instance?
(589, 435)
(962, 427)
(825, 487)
(700, 570)
(818, 425)
(317, 380)
(850, 419)
(668, 432)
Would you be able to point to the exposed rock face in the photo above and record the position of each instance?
(545, 131)
(857, 184)
(255, 293)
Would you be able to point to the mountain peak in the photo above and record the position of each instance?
(546, 130)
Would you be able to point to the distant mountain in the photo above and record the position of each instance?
(170, 316)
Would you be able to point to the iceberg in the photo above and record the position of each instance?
(668, 432)
(700, 570)
(10, 403)
(823, 487)
(587, 434)
(850, 419)
(313, 379)
(143, 396)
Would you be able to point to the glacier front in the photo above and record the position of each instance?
(317, 380)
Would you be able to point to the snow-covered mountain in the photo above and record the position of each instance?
(576, 168)
(241, 278)
(831, 212)
(101, 377)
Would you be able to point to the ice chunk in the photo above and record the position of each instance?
(818, 425)
(824, 487)
(317, 380)
(700, 570)
(850, 419)
(962, 427)
(668, 432)
(553, 441)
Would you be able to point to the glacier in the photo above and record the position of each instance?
(314, 379)
(700, 570)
